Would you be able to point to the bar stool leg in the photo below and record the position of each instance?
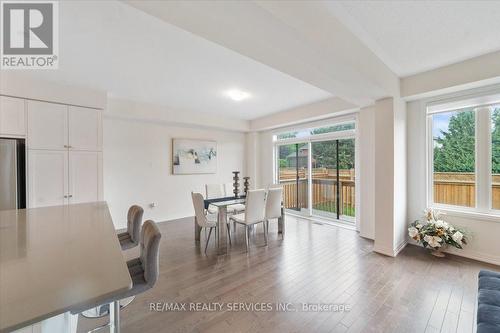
(116, 306)
(114, 317)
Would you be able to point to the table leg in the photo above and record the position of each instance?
(281, 223)
(222, 231)
(197, 231)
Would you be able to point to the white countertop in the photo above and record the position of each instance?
(54, 258)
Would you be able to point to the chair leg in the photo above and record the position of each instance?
(265, 230)
(246, 236)
(229, 233)
(208, 240)
(217, 237)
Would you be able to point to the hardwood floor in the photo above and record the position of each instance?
(414, 292)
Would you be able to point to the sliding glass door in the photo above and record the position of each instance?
(293, 174)
(317, 171)
(333, 179)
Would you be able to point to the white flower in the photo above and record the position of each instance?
(419, 226)
(412, 232)
(433, 241)
(440, 224)
(457, 237)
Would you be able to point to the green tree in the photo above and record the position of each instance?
(495, 139)
(454, 148)
(325, 154)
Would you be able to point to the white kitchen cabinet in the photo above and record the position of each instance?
(47, 125)
(12, 117)
(65, 158)
(58, 177)
(84, 176)
(47, 178)
(85, 132)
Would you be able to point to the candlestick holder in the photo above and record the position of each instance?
(246, 184)
(236, 184)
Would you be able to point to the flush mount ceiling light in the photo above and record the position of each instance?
(236, 94)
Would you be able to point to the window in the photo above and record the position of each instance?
(464, 154)
(304, 133)
(454, 176)
(495, 157)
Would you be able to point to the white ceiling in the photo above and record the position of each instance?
(416, 36)
(114, 47)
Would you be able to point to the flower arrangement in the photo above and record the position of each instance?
(435, 233)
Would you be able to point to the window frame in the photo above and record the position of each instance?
(483, 151)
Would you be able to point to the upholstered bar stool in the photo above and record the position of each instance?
(128, 240)
(143, 270)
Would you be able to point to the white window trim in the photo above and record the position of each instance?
(483, 152)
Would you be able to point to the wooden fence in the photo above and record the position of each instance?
(449, 188)
(459, 189)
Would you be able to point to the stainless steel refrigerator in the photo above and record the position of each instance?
(12, 174)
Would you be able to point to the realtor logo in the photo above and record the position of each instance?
(29, 37)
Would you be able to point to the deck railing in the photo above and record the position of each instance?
(324, 190)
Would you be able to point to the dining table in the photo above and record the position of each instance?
(53, 259)
(222, 204)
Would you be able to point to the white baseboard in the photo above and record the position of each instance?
(389, 251)
(475, 255)
(400, 247)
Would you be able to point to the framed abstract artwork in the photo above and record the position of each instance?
(190, 156)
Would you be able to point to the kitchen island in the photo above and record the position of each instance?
(55, 258)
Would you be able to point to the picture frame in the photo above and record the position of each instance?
(194, 156)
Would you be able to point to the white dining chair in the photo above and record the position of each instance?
(228, 190)
(273, 204)
(254, 213)
(213, 191)
(205, 221)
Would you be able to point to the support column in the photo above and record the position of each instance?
(390, 176)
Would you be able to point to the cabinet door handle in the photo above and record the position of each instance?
(70, 196)
(65, 196)
(66, 146)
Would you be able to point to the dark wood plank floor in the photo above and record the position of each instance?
(414, 292)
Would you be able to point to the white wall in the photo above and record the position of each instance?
(484, 244)
(400, 175)
(137, 167)
(384, 177)
(366, 171)
(468, 74)
(325, 109)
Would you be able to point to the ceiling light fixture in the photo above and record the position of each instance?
(237, 95)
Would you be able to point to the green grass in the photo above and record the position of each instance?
(331, 207)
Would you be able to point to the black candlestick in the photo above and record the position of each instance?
(246, 184)
(236, 184)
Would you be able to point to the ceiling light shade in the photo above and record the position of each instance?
(237, 95)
